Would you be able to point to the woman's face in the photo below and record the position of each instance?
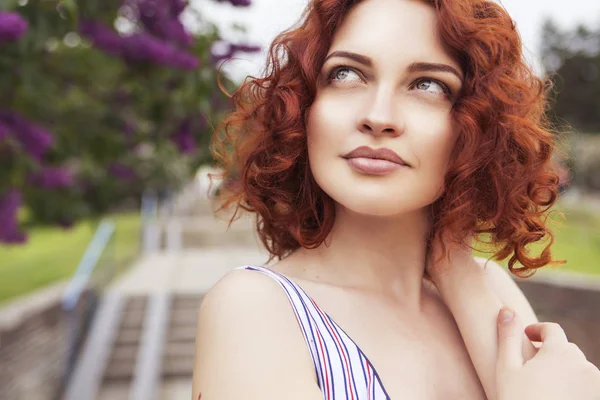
(386, 83)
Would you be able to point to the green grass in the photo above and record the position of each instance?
(52, 254)
(577, 241)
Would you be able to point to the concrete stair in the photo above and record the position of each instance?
(177, 359)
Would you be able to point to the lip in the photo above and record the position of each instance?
(376, 154)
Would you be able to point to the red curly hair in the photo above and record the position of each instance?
(501, 181)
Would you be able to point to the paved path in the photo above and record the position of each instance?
(189, 271)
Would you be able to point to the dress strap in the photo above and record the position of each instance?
(304, 312)
(342, 369)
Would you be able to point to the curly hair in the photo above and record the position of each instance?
(501, 181)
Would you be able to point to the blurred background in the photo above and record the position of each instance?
(107, 234)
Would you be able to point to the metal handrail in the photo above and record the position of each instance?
(87, 264)
(79, 313)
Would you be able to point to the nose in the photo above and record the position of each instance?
(380, 116)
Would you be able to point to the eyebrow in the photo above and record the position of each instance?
(414, 67)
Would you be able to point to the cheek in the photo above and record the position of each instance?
(324, 131)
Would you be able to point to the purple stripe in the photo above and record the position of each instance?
(301, 291)
(361, 358)
(342, 339)
(375, 374)
(317, 364)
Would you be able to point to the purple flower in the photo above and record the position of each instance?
(52, 178)
(161, 18)
(237, 3)
(184, 138)
(176, 7)
(245, 48)
(10, 202)
(172, 30)
(33, 138)
(4, 131)
(12, 26)
(142, 47)
(121, 172)
(102, 37)
(228, 50)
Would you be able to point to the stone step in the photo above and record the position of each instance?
(186, 301)
(174, 350)
(184, 317)
(124, 353)
(182, 334)
(175, 388)
(119, 371)
(128, 336)
(178, 367)
(114, 391)
(132, 321)
(194, 239)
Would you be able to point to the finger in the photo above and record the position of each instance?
(510, 340)
(547, 333)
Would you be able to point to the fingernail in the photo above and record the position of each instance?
(506, 315)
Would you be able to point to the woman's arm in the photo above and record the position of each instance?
(474, 294)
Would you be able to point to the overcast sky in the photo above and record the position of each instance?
(266, 18)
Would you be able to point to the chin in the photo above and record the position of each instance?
(378, 196)
(372, 200)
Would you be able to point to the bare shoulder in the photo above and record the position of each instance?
(249, 344)
(507, 290)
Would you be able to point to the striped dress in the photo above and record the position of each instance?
(343, 371)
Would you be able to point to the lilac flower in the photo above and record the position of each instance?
(162, 20)
(176, 7)
(34, 138)
(237, 3)
(52, 178)
(230, 50)
(121, 172)
(171, 30)
(143, 47)
(10, 202)
(4, 131)
(245, 48)
(217, 57)
(102, 36)
(184, 138)
(184, 60)
(12, 26)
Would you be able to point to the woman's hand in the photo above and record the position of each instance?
(559, 370)
(469, 292)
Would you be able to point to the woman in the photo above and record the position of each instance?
(384, 135)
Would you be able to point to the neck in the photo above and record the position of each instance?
(382, 255)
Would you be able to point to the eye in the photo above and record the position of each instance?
(426, 83)
(340, 73)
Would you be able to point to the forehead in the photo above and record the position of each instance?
(392, 33)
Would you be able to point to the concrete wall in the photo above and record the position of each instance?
(575, 308)
(32, 355)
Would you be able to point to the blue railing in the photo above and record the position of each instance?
(94, 272)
